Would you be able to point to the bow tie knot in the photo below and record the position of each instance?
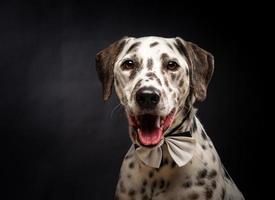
(180, 146)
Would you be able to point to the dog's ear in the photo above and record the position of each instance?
(201, 63)
(105, 61)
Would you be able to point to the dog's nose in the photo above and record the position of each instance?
(147, 98)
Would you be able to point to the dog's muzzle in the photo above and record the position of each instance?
(147, 121)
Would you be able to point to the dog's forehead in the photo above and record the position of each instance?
(150, 46)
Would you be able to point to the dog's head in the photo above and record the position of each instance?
(154, 78)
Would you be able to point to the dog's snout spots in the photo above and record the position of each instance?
(174, 95)
(173, 76)
(150, 64)
(153, 76)
(134, 72)
(181, 83)
(166, 82)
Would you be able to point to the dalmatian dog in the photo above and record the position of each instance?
(160, 81)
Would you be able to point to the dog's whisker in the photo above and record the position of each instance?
(115, 109)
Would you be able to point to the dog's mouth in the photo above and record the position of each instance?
(150, 128)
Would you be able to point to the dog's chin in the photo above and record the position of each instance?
(150, 128)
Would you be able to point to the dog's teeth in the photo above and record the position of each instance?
(158, 122)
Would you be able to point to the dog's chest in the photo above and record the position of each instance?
(138, 181)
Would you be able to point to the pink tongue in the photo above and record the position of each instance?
(151, 137)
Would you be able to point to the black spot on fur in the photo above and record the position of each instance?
(154, 184)
(181, 49)
(142, 190)
(193, 196)
(131, 165)
(174, 96)
(161, 183)
(166, 82)
(222, 194)
(214, 184)
(151, 75)
(150, 64)
(159, 82)
(144, 183)
(131, 192)
(164, 57)
(173, 164)
(129, 176)
(173, 76)
(134, 72)
(203, 146)
(167, 185)
(165, 161)
(208, 192)
(122, 187)
(181, 83)
(170, 46)
(187, 184)
(202, 173)
(154, 44)
(200, 182)
(145, 197)
(133, 46)
(214, 158)
(212, 174)
(151, 174)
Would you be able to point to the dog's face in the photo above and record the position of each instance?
(153, 79)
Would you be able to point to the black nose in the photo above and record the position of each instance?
(147, 98)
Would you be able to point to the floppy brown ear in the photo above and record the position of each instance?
(105, 61)
(201, 63)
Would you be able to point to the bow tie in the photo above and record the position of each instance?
(180, 147)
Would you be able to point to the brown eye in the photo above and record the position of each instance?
(172, 65)
(128, 65)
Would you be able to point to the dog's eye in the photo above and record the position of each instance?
(172, 65)
(128, 64)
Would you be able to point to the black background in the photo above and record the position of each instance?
(62, 141)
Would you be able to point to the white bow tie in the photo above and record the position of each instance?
(180, 147)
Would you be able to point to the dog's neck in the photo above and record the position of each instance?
(183, 122)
